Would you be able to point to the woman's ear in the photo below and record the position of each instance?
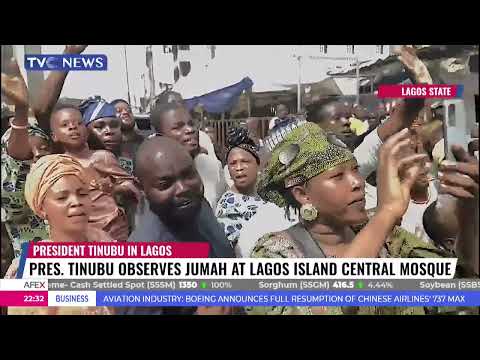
(42, 213)
(299, 194)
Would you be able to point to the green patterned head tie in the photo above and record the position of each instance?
(304, 153)
(34, 130)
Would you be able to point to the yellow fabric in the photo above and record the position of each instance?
(358, 126)
(46, 172)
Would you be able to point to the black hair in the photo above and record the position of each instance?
(292, 204)
(63, 106)
(315, 111)
(116, 101)
(159, 110)
(168, 97)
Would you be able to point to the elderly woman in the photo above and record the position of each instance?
(57, 190)
(315, 176)
(239, 204)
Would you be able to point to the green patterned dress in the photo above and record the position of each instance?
(400, 244)
(21, 223)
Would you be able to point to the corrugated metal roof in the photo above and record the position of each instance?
(425, 52)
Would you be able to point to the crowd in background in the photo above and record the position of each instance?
(341, 181)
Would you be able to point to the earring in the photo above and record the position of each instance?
(308, 212)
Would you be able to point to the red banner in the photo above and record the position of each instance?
(420, 91)
(118, 250)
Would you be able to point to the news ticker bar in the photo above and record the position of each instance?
(458, 292)
(238, 284)
(239, 298)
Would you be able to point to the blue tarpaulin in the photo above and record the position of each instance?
(222, 100)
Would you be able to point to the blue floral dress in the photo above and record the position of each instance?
(234, 210)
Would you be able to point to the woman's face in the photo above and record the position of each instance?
(337, 194)
(243, 169)
(67, 205)
(107, 132)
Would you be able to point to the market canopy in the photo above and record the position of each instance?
(221, 100)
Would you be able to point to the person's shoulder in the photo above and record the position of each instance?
(227, 194)
(275, 245)
(96, 235)
(403, 244)
(139, 137)
(99, 155)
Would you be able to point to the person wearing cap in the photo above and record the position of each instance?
(239, 204)
(312, 174)
(108, 180)
(21, 145)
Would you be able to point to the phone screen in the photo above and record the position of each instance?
(455, 127)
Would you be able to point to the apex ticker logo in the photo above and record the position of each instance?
(65, 62)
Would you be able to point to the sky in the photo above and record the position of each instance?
(269, 66)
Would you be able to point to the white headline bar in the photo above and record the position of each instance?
(240, 268)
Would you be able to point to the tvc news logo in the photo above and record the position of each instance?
(64, 62)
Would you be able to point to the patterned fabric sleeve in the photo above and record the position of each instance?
(276, 245)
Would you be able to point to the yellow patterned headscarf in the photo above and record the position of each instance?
(304, 153)
(46, 172)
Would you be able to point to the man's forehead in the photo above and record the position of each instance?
(180, 114)
(66, 113)
(170, 161)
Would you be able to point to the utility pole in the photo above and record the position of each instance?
(357, 68)
(126, 73)
(357, 65)
(299, 83)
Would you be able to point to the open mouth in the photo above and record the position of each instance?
(240, 177)
(74, 136)
(184, 204)
(189, 141)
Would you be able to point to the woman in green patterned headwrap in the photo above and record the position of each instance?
(316, 176)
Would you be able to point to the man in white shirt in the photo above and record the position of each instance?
(282, 114)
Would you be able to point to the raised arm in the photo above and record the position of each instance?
(397, 171)
(124, 184)
(460, 179)
(15, 90)
(405, 112)
(51, 89)
(402, 115)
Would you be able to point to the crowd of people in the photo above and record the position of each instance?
(343, 181)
